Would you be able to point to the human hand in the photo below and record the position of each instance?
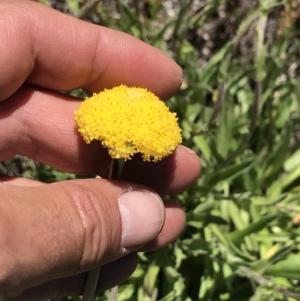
(51, 234)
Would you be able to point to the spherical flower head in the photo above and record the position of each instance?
(127, 121)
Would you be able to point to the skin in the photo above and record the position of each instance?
(46, 246)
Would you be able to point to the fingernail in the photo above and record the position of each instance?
(142, 214)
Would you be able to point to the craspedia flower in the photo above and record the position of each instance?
(127, 121)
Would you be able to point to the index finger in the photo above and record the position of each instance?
(47, 48)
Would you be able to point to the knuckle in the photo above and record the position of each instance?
(93, 225)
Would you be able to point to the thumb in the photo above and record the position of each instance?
(62, 229)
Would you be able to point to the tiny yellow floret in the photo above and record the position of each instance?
(127, 121)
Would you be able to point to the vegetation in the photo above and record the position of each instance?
(239, 108)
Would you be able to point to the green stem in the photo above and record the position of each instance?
(89, 294)
(91, 285)
(114, 293)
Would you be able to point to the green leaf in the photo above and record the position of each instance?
(261, 265)
(292, 162)
(265, 201)
(224, 133)
(73, 5)
(291, 177)
(203, 146)
(171, 274)
(231, 172)
(255, 227)
(224, 239)
(151, 276)
(45, 2)
(288, 268)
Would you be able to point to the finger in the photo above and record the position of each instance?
(59, 52)
(71, 227)
(172, 175)
(25, 117)
(19, 181)
(173, 227)
(111, 274)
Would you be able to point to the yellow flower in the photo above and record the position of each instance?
(129, 120)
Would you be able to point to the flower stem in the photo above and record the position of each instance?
(116, 170)
(114, 293)
(90, 290)
(91, 285)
